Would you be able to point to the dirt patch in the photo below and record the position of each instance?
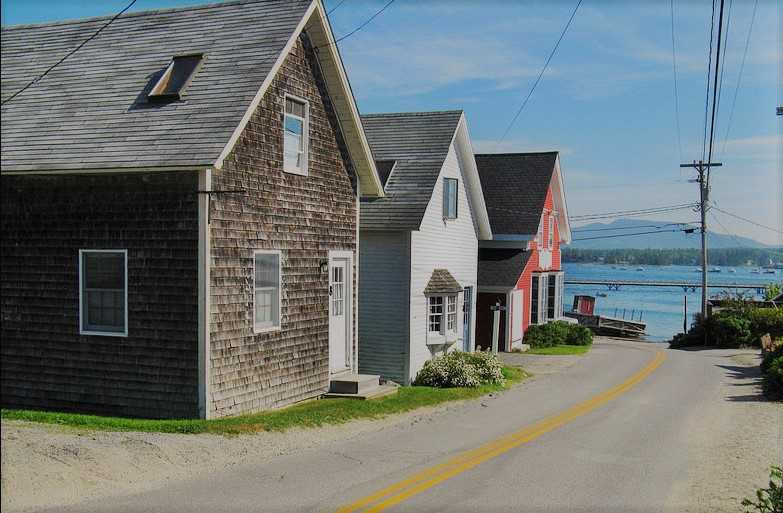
(733, 443)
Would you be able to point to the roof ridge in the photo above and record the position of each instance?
(414, 113)
(507, 154)
(134, 14)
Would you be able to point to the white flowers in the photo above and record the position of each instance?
(460, 369)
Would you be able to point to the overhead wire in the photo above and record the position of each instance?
(636, 227)
(330, 11)
(747, 220)
(709, 73)
(48, 70)
(628, 234)
(358, 28)
(541, 73)
(676, 92)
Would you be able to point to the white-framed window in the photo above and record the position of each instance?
(435, 317)
(451, 313)
(551, 239)
(295, 135)
(267, 273)
(540, 233)
(103, 292)
(450, 194)
(442, 314)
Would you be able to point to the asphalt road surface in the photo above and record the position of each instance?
(607, 434)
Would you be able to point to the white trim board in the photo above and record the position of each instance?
(80, 273)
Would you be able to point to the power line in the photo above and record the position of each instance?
(330, 11)
(715, 92)
(739, 77)
(628, 227)
(627, 235)
(709, 72)
(725, 48)
(360, 27)
(541, 74)
(621, 213)
(747, 220)
(638, 184)
(676, 93)
(39, 77)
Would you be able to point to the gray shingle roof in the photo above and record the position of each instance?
(515, 187)
(419, 143)
(442, 282)
(501, 267)
(85, 113)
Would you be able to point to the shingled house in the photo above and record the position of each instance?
(519, 266)
(419, 243)
(180, 211)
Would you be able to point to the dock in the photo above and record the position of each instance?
(685, 285)
(604, 325)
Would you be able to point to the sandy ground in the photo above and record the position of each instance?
(732, 441)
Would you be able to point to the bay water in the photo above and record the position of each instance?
(660, 307)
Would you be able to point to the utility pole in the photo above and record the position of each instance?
(704, 192)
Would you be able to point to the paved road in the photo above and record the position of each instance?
(621, 452)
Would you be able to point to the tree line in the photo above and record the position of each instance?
(719, 256)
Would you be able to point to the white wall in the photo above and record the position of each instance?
(442, 244)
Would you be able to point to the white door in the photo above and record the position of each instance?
(340, 298)
(516, 315)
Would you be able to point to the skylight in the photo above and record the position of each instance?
(175, 78)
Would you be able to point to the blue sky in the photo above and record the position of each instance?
(606, 102)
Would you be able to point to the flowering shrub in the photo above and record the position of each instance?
(461, 369)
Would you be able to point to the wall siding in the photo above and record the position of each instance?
(304, 217)
(383, 303)
(450, 244)
(45, 362)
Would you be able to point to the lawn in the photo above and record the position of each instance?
(559, 350)
(308, 414)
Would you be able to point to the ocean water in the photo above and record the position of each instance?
(660, 307)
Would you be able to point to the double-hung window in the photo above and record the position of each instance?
(551, 238)
(540, 233)
(534, 299)
(266, 299)
(450, 189)
(451, 314)
(435, 318)
(103, 292)
(295, 139)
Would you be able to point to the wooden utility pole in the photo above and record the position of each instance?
(704, 192)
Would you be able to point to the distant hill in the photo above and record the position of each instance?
(669, 240)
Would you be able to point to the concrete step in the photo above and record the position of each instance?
(354, 383)
(378, 391)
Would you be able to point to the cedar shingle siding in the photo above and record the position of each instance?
(302, 216)
(45, 362)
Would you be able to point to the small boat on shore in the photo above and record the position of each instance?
(714, 270)
(583, 311)
(640, 268)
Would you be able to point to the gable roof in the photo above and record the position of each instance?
(501, 267)
(442, 282)
(90, 113)
(515, 186)
(418, 143)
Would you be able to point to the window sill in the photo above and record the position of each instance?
(104, 333)
(296, 172)
(268, 329)
(436, 339)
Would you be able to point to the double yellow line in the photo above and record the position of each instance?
(428, 478)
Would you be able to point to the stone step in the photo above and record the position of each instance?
(379, 391)
(354, 384)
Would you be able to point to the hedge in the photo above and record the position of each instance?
(557, 333)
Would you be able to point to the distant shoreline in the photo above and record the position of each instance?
(730, 257)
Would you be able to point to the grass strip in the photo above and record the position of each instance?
(308, 414)
(559, 350)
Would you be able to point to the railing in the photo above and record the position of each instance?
(616, 284)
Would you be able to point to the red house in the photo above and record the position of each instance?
(519, 268)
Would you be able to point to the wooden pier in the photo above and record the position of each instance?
(616, 284)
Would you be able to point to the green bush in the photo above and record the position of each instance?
(765, 320)
(772, 374)
(768, 500)
(461, 369)
(729, 329)
(557, 333)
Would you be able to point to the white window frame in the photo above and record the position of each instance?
(305, 134)
(540, 233)
(444, 314)
(265, 329)
(441, 314)
(447, 180)
(451, 313)
(551, 238)
(82, 312)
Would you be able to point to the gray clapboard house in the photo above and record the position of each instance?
(419, 243)
(180, 211)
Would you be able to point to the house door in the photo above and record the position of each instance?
(467, 317)
(340, 299)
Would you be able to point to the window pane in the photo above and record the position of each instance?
(104, 270)
(294, 107)
(267, 270)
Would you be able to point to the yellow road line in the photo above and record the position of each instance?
(426, 479)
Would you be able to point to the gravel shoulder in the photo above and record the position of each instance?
(732, 439)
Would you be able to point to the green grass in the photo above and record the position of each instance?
(559, 350)
(308, 414)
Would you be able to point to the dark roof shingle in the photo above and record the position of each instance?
(442, 282)
(418, 142)
(515, 186)
(86, 112)
(501, 267)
